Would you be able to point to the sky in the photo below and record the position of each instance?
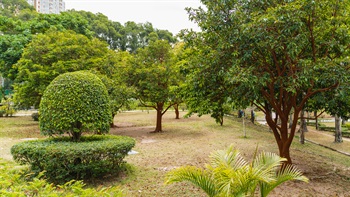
(163, 14)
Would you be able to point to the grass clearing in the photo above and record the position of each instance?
(190, 141)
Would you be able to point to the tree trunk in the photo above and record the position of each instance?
(177, 113)
(316, 120)
(303, 127)
(338, 134)
(76, 135)
(112, 123)
(283, 135)
(159, 118)
(221, 120)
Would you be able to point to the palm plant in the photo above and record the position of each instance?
(228, 174)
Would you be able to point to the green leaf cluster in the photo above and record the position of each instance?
(55, 53)
(74, 103)
(64, 160)
(13, 183)
(7, 107)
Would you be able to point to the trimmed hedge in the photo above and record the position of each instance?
(75, 103)
(64, 160)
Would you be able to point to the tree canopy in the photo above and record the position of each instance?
(273, 54)
(54, 53)
(153, 74)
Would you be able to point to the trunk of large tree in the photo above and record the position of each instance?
(279, 126)
(338, 134)
(159, 117)
(316, 120)
(177, 113)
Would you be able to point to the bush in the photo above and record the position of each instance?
(7, 108)
(35, 116)
(74, 103)
(13, 184)
(63, 160)
(332, 129)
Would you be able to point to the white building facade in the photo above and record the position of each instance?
(48, 6)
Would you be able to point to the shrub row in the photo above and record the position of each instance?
(325, 128)
(12, 183)
(64, 160)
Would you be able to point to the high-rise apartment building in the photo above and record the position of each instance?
(48, 6)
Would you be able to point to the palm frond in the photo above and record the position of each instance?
(289, 173)
(229, 158)
(265, 166)
(196, 176)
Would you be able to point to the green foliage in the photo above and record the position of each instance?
(154, 76)
(325, 128)
(114, 78)
(7, 108)
(55, 53)
(12, 8)
(74, 103)
(12, 183)
(63, 160)
(228, 174)
(272, 54)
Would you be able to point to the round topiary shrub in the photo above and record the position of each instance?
(64, 160)
(74, 103)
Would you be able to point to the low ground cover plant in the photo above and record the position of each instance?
(13, 183)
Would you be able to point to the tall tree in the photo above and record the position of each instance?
(54, 53)
(153, 74)
(12, 8)
(275, 54)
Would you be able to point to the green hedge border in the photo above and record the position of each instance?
(64, 160)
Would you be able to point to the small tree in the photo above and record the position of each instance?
(74, 103)
(153, 75)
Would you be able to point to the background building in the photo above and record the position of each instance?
(48, 6)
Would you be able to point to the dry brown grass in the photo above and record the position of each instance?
(190, 141)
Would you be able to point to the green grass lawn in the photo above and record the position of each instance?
(189, 142)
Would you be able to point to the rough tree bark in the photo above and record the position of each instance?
(338, 134)
(316, 120)
(303, 127)
(159, 117)
(177, 113)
